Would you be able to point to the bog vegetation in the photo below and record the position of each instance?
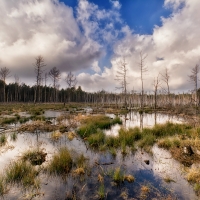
(75, 127)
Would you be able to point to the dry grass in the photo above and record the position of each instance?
(56, 135)
(124, 194)
(79, 171)
(129, 178)
(167, 179)
(3, 186)
(100, 178)
(37, 126)
(71, 135)
(145, 190)
(35, 156)
(194, 175)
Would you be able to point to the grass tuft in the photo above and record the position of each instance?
(61, 163)
(194, 175)
(3, 186)
(21, 173)
(97, 139)
(118, 176)
(13, 136)
(3, 140)
(35, 156)
(91, 124)
(101, 192)
(129, 178)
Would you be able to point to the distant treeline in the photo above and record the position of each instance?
(15, 92)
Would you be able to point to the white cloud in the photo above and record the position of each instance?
(116, 4)
(97, 82)
(177, 42)
(95, 67)
(47, 28)
(98, 24)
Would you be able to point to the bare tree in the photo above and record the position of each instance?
(156, 85)
(165, 78)
(4, 72)
(71, 82)
(45, 87)
(38, 66)
(55, 76)
(143, 70)
(16, 87)
(194, 79)
(121, 77)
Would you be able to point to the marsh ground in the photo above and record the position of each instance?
(161, 160)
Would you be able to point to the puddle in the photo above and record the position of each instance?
(52, 113)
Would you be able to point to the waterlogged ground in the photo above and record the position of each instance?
(150, 170)
(144, 120)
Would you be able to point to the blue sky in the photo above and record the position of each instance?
(140, 15)
(90, 37)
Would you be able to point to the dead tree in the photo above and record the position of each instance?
(143, 70)
(16, 87)
(165, 78)
(121, 77)
(71, 82)
(55, 76)
(45, 87)
(156, 85)
(194, 79)
(38, 66)
(4, 72)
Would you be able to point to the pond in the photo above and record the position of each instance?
(150, 170)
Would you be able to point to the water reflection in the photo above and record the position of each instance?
(143, 120)
(161, 165)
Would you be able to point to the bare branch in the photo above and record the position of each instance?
(71, 80)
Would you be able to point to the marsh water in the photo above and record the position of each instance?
(144, 120)
(160, 166)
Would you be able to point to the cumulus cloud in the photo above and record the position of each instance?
(50, 28)
(47, 28)
(95, 67)
(116, 4)
(98, 24)
(97, 82)
(174, 45)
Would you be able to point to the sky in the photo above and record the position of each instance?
(91, 37)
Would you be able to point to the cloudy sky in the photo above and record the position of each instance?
(90, 37)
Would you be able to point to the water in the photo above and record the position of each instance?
(52, 113)
(161, 165)
(145, 120)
